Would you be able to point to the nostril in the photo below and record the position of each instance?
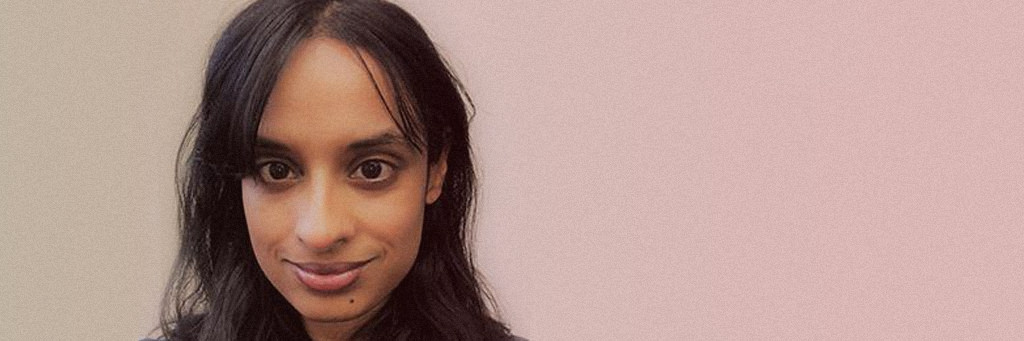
(321, 243)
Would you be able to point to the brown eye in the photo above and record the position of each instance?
(275, 171)
(373, 171)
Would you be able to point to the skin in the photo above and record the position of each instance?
(313, 197)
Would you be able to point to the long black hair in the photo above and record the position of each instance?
(217, 290)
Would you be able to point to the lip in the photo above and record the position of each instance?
(328, 277)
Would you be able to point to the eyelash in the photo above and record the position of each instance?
(263, 172)
(387, 172)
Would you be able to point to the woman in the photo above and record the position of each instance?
(327, 184)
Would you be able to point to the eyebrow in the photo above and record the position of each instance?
(384, 139)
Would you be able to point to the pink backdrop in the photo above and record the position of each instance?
(651, 170)
(710, 170)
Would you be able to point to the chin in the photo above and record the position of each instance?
(334, 308)
(351, 305)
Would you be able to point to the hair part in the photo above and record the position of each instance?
(217, 290)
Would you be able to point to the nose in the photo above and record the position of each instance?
(323, 222)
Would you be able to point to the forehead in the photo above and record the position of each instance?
(328, 92)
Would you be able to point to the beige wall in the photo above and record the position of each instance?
(94, 96)
(651, 170)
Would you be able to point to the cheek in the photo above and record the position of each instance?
(264, 220)
(396, 221)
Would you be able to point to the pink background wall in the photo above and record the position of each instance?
(651, 170)
(713, 170)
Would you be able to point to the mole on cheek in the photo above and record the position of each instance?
(351, 300)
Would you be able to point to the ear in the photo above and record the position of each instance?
(435, 177)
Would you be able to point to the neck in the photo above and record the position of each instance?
(333, 331)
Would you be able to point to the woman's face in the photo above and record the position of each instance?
(335, 209)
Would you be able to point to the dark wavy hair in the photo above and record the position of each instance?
(217, 290)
